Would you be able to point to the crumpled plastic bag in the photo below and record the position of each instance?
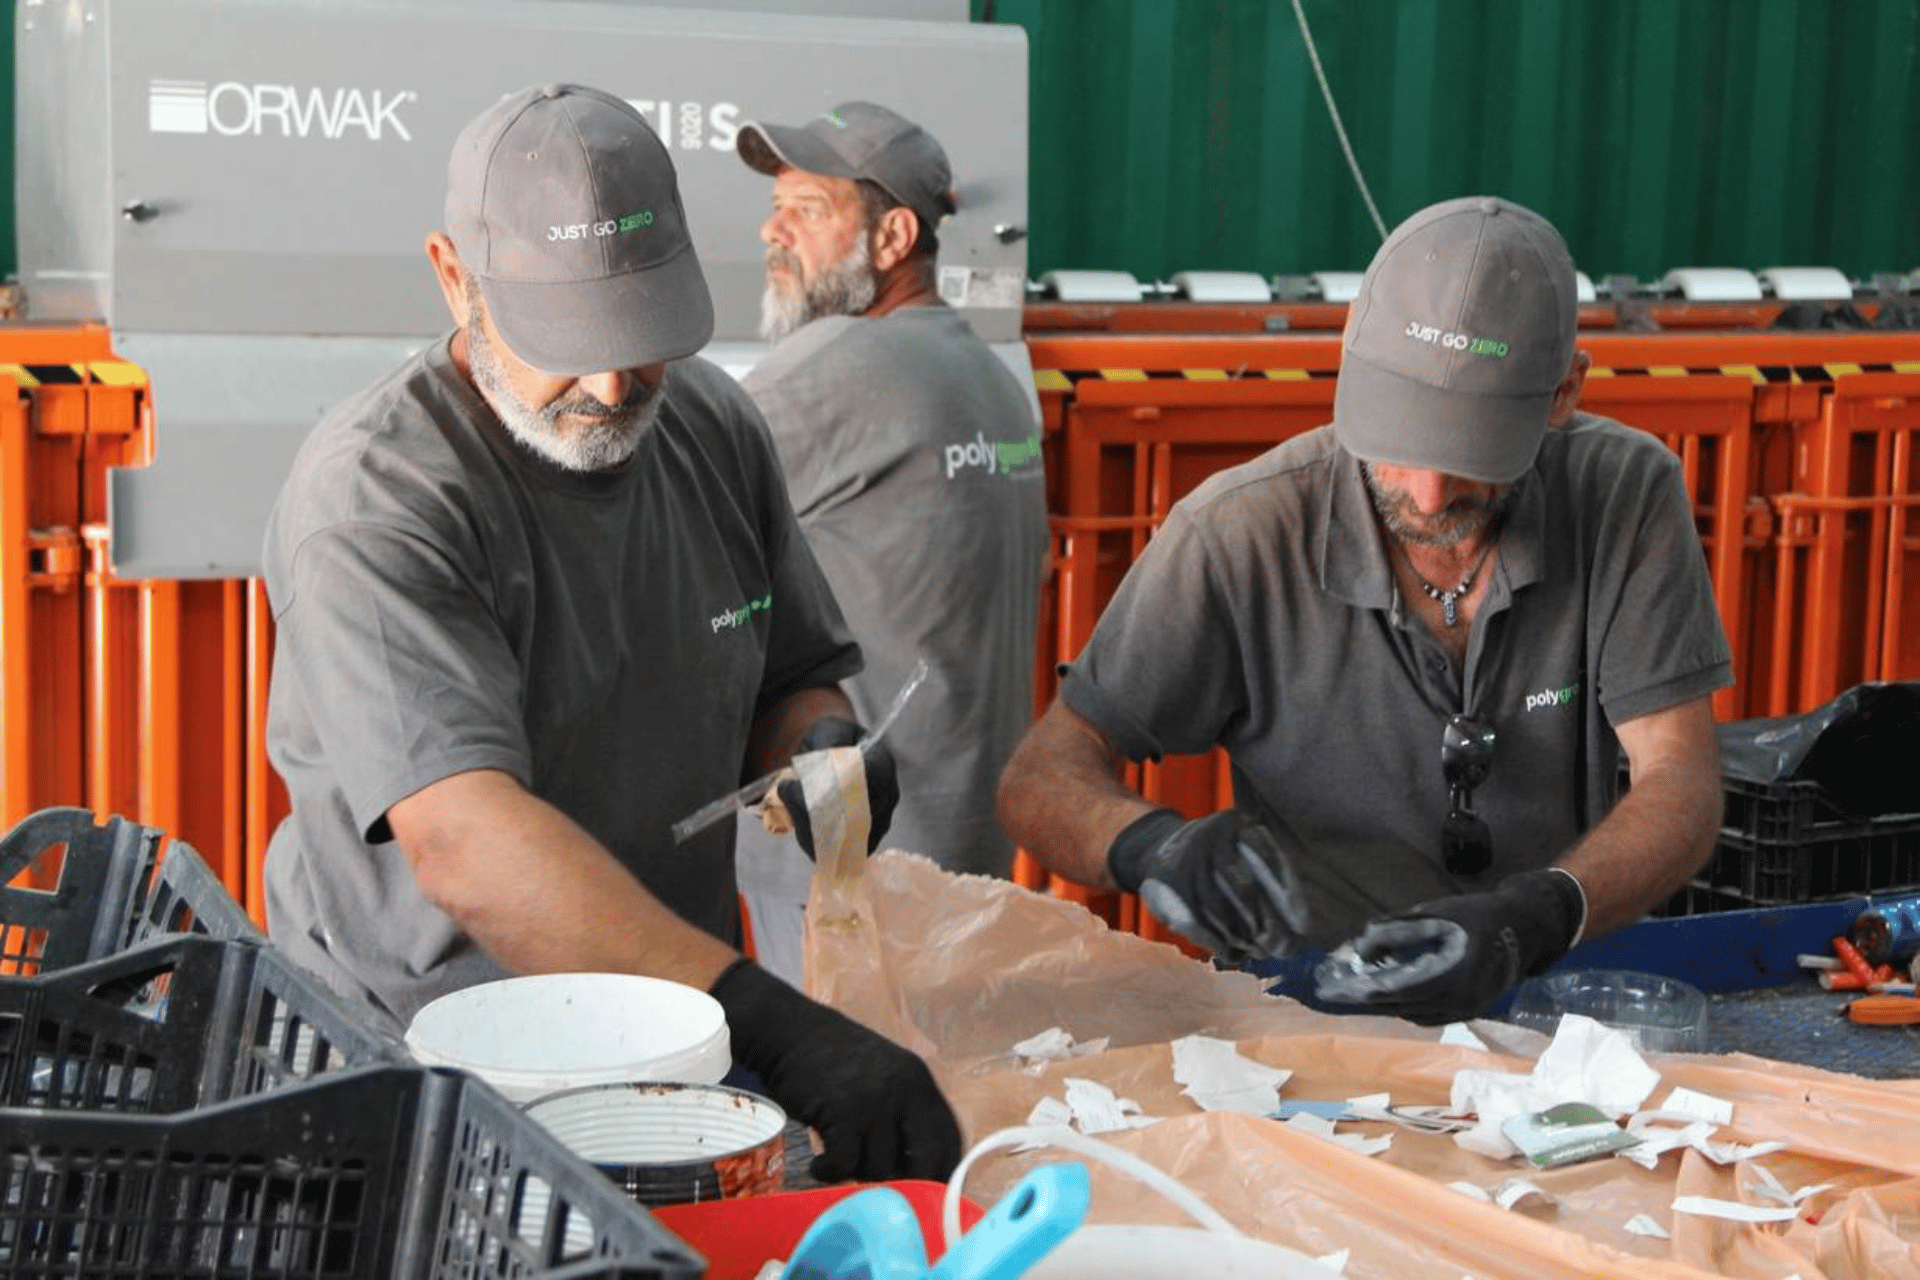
(962, 968)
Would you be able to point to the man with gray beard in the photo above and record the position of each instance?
(1426, 635)
(912, 455)
(538, 596)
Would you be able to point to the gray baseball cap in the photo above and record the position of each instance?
(859, 140)
(562, 202)
(1462, 332)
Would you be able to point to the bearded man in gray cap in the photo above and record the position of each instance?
(912, 455)
(540, 595)
(1425, 635)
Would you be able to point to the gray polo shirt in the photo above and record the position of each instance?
(446, 601)
(913, 459)
(1264, 617)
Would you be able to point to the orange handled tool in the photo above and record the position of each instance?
(1885, 1011)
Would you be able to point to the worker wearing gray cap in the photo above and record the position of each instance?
(539, 595)
(912, 455)
(1425, 636)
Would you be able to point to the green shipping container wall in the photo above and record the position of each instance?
(1192, 135)
(1176, 135)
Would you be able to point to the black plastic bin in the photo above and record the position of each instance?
(377, 1173)
(107, 896)
(174, 1024)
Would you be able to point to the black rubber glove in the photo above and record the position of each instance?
(1224, 881)
(879, 1113)
(1449, 959)
(883, 786)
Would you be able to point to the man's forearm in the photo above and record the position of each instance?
(1061, 798)
(536, 892)
(776, 733)
(1663, 829)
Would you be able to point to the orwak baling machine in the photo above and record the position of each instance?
(222, 208)
(240, 191)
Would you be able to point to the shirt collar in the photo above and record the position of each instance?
(1352, 550)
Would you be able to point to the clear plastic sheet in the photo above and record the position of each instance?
(960, 969)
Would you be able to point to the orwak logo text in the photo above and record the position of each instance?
(995, 457)
(728, 619)
(1553, 697)
(276, 110)
(1455, 341)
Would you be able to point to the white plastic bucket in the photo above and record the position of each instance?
(540, 1033)
(673, 1143)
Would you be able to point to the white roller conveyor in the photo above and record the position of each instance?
(1222, 286)
(1337, 286)
(1807, 284)
(1712, 284)
(1091, 286)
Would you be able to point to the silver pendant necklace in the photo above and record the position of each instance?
(1449, 599)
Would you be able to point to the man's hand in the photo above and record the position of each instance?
(883, 784)
(878, 1110)
(1224, 881)
(1449, 959)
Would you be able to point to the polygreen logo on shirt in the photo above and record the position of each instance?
(728, 619)
(995, 457)
(1553, 697)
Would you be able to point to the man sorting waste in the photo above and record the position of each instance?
(1426, 635)
(539, 595)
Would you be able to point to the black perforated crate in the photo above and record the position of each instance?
(96, 891)
(1783, 843)
(176, 1023)
(379, 1173)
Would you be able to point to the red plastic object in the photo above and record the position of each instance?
(739, 1237)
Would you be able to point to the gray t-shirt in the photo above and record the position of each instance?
(1264, 617)
(447, 601)
(913, 459)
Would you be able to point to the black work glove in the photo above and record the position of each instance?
(1449, 959)
(883, 786)
(1223, 881)
(879, 1113)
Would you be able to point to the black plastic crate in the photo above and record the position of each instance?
(379, 1173)
(185, 896)
(173, 1024)
(102, 870)
(105, 895)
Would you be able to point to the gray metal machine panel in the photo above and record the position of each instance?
(63, 197)
(236, 410)
(292, 154)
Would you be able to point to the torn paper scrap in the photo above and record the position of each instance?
(1641, 1224)
(1219, 1078)
(1324, 1130)
(1090, 1107)
(1732, 1210)
(1473, 1191)
(1056, 1044)
(1769, 1187)
(1699, 1106)
(1517, 1191)
(1594, 1063)
(1457, 1033)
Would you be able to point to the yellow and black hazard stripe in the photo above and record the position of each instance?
(1760, 375)
(110, 373)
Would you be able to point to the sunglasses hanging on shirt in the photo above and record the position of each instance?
(1466, 757)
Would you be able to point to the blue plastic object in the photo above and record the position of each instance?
(1041, 1210)
(874, 1234)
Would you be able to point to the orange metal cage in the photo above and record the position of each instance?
(147, 698)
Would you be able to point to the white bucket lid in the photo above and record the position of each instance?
(536, 1034)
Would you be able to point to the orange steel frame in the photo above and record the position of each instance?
(148, 698)
(139, 698)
